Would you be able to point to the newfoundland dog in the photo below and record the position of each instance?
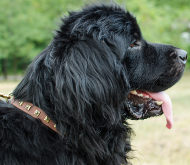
(97, 72)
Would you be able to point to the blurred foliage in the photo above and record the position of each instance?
(26, 26)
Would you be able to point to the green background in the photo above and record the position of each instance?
(27, 26)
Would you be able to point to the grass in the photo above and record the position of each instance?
(153, 143)
(7, 87)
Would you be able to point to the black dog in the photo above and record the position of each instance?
(83, 80)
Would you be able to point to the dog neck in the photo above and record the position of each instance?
(35, 112)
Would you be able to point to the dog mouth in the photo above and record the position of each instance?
(143, 104)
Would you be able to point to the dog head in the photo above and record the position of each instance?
(97, 57)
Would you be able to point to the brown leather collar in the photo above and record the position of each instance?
(35, 112)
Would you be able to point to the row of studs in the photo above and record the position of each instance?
(37, 113)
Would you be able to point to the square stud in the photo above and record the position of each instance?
(20, 103)
(47, 119)
(28, 107)
(37, 113)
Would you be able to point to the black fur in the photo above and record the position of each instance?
(81, 80)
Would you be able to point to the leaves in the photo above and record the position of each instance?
(26, 27)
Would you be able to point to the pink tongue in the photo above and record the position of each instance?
(166, 106)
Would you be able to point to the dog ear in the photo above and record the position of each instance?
(88, 74)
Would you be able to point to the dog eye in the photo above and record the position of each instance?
(134, 44)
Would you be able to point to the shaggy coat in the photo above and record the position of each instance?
(81, 80)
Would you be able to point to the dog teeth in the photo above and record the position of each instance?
(134, 92)
(140, 95)
(146, 97)
(159, 102)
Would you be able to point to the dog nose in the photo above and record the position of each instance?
(182, 55)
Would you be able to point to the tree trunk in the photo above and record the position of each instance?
(4, 68)
(15, 64)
